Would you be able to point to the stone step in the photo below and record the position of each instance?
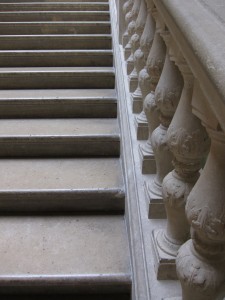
(50, 78)
(61, 184)
(59, 137)
(76, 254)
(67, 296)
(63, 27)
(62, 103)
(56, 58)
(34, 1)
(29, 16)
(55, 6)
(55, 41)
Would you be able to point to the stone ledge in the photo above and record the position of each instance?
(203, 49)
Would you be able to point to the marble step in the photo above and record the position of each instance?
(61, 184)
(54, 6)
(63, 27)
(82, 103)
(34, 1)
(67, 296)
(58, 254)
(59, 138)
(56, 58)
(29, 16)
(55, 41)
(59, 78)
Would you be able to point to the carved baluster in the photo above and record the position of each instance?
(140, 58)
(135, 43)
(188, 141)
(167, 96)
(201, 260)
(131, 26)
(149, 116)
(127, 8)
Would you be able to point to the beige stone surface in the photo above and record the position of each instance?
(55, 27)
(54, 16)
(23, 174)
(58, 127)
(56, 41)
(69, 245)
(56, 93)
(54, 6)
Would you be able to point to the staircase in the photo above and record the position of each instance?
(62, 195)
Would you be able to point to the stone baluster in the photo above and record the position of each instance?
(188, 141)
(131, 26)
(148, 119)
(127, 9)
(201, 260)
(167, 96)
(140, 57)
(135, 44)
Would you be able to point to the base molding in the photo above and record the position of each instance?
(165, 264)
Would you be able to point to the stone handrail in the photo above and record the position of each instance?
(175, 57)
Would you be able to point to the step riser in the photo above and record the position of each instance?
(55, 7)
(59, 147)
(54, 42)
(57, 109)
(51, 16)
(62, 59)
(29, 29)
(59, 201)
(58, 81)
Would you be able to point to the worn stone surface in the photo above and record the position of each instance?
(88, 103)
(71, 252)
(62, 225)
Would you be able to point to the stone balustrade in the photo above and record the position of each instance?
(175, 57)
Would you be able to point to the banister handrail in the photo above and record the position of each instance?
(201, 39)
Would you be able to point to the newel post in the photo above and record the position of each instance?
(201, 260)
(189, 143)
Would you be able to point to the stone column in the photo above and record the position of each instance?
(149, 116)
(135, 44)
(167, 96)
(201, 260)
(131, 26)
(189, 142)
(140, 57)
(127, 7)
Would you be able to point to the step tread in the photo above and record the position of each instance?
(56, 41)
(55, 58)
(58, 127)
(81, 94)
(52, 70)
(55, 6)
(56, 103)
(38, 23)
(55, 52)
(60, 174)
(54, 27)
(94, 252)
(68, 15)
